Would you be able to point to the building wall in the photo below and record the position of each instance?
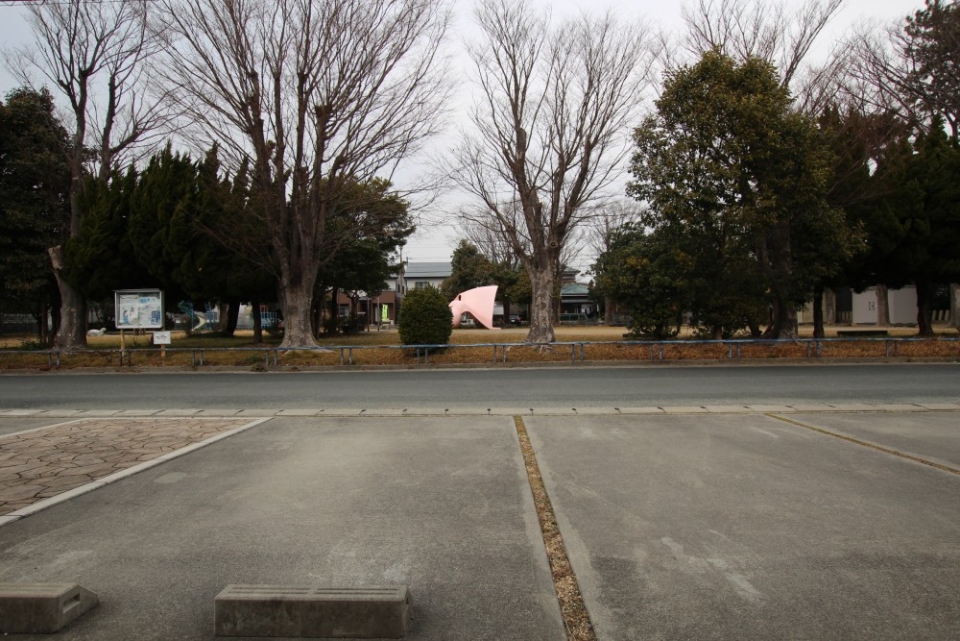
(902, 303)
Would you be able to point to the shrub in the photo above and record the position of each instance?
(425, 318)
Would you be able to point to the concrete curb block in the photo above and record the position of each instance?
(39, 506)
(427, 412)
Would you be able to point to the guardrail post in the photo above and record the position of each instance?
(818, 347)
(50, 359)
(275, 357)
(494, 353)
(661, 353)
(426, 355)
(886, 348)
(201, 358)
(350, 354)
(573, 352)
(583, 348)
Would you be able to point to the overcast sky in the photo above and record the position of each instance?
(435, 243)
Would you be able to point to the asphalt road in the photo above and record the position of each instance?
(473, 388)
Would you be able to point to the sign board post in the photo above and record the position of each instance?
(162, 339)
(137, 309)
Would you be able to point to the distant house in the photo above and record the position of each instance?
(419, 275)
(575, 301)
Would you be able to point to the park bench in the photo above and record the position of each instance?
(862, 333)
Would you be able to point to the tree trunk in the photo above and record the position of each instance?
(223, 317)
(830, 306)
(296, 298)
(506, 312)
(883, 306)
(72, 333)
(230, 316)
(954, 289)
(257, 322)
(784, 320)
(924, 309)
(818, 330)
(541, 307)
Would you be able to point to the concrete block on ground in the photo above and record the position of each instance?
(42, 608)
(309, 611)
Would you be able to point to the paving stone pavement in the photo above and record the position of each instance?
(41, 463)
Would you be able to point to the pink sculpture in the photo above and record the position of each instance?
(479, 302)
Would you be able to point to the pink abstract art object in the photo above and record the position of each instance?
(479, 302)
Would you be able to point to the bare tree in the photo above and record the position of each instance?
(742, 29)
(555, 103)
(611, 216)
(93, 54)
(323, 95)
(909, 67)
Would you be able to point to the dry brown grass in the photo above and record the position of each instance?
(471, 346)
(576, 618)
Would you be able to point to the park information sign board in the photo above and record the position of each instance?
(139, 308)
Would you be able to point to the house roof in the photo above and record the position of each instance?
(427, 270)
(574, 289)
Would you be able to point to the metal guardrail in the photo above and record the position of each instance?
(578, 349)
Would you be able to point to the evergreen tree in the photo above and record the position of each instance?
(34, 210)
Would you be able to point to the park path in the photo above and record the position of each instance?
(41, 463)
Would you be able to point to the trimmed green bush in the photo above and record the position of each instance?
(425, 318)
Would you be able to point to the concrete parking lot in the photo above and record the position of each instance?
(680, 524)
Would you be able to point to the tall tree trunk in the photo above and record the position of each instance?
(829, 306)
(506, 312)
(230, 316)
(223, 316)
(883, 306)
(776, 261)
(72, 334)
(257, 322)
(954, 290)
(296, 299)
(541, 307)
(784, 319)
(924, 308)
(818, 331)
